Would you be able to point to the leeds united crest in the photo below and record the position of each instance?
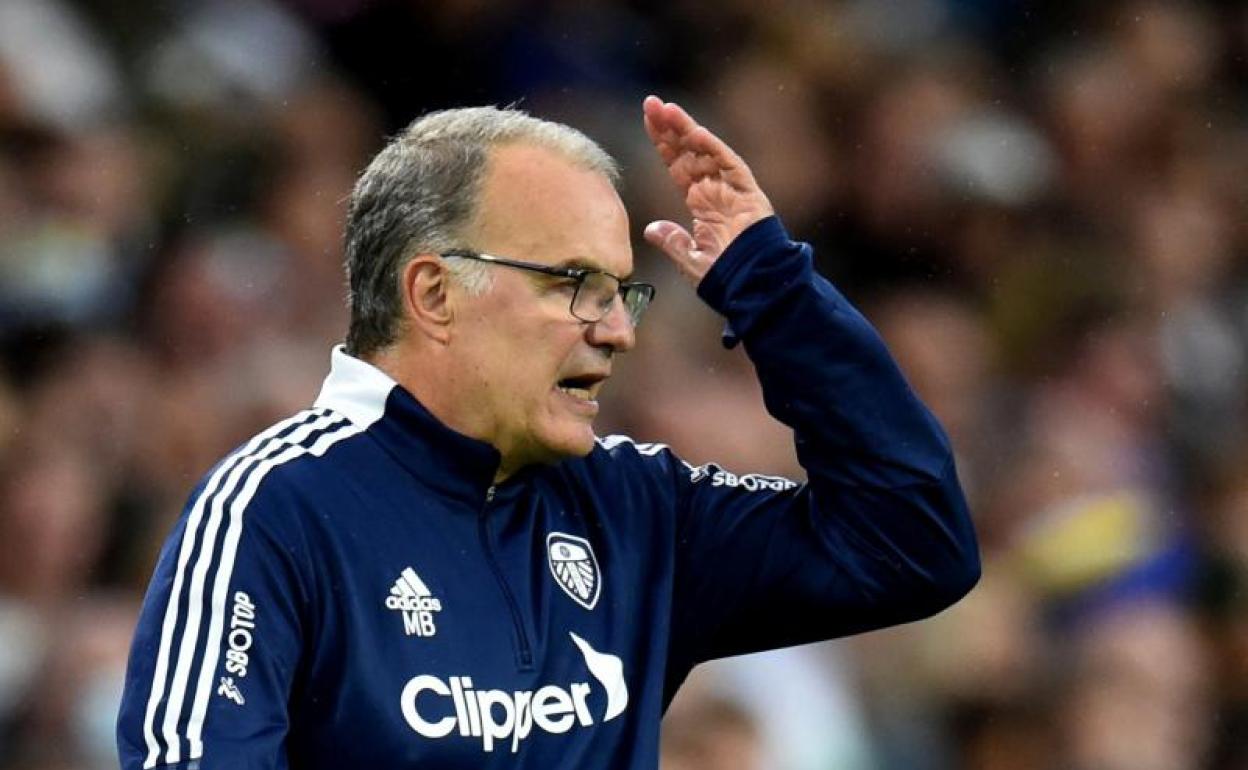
(575, 569)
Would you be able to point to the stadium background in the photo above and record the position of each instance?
(1042, 205)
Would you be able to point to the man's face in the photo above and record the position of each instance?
(532, 369)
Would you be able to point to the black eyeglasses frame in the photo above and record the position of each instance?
(642, 293)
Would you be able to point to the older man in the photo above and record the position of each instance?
(440, 566)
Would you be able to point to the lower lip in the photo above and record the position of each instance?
(587, 408)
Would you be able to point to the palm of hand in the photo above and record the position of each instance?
(720, 214)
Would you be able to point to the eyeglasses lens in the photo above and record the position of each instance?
(596, 295)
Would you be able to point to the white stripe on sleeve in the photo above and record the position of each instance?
(241, 474)
(229, 549)
(161, 671)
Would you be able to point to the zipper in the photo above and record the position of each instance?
(524, 654)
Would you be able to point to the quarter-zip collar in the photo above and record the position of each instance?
(444, 459)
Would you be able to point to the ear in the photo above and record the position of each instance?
(426, 300)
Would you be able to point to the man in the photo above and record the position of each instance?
(440, 566)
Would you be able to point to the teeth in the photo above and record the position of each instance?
(580, 393)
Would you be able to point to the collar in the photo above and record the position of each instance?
(438, 456)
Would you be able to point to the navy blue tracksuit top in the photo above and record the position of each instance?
(349, 590)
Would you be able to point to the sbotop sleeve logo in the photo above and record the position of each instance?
(574, 567)
(239, 641)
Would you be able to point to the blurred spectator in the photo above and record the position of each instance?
(709, 733)
(1135, 692)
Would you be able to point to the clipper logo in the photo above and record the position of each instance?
(434, 707)
(412, 597)
(575, 568)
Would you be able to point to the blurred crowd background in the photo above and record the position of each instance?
(1042, 205)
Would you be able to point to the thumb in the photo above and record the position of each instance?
(676, 242)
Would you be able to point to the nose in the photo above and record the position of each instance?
(614, 330)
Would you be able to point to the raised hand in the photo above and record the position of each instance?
(720, 191)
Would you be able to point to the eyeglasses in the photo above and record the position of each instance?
(595, 290)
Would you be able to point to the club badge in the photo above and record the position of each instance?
(575, 568)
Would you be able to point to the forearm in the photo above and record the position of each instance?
(883, 488)
(824, 370)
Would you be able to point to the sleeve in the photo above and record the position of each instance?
(219, 635)
(879, 535)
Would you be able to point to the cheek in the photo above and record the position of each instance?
(518, 372)
(520, 357)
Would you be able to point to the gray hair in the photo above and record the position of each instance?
(420, 195)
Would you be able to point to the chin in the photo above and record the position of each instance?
(570, 441)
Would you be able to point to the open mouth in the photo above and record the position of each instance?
(584, 387)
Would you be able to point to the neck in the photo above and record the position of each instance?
(442, 389)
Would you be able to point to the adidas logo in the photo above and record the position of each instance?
(412, 597)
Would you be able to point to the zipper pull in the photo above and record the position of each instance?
(489, 493)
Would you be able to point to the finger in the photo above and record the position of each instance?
(667, 122)
(666, 140)
(676, 242)
(650, 119)
(695, 166)
(678, 136)
(674, 118)
(670, 238)
(705, 143)
(696, 137)
(658, 123)
(651, 109)
(667, 150)
(706, 238)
